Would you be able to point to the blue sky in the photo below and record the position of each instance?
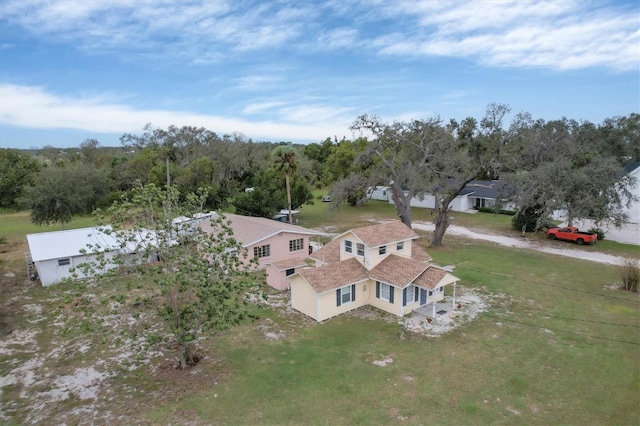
(303, 71)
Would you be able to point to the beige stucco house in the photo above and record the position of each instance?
(377, 265)
(278, 247)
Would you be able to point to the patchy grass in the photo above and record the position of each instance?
(558, 345)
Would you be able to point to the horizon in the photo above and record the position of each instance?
(303, 72)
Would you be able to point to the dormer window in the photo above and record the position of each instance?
(360, 249)
(382, 250)
(400, 246)
(348, 246)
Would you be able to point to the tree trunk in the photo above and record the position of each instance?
(402, 202)
(286, 179)
(442, 223)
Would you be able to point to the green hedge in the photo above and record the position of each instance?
(493, 210)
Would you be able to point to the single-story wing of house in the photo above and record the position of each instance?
(377, 265)
(56, 255)
(279, 247)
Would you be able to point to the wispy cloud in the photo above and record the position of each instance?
(547, 34)
(34, 107)
(562, 35)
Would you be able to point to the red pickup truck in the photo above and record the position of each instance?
(571, 233)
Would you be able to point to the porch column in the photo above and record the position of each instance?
(434, 309)
(453, 306)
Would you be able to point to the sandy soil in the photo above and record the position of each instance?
(525, 243)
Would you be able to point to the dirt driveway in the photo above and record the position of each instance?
(525, 243)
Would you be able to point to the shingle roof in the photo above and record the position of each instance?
(283, 265)
(250, 230)
(384, 233)
(396, 270)
(430, 278)
(334, 275)
(329, 253)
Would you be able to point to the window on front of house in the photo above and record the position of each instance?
(382, 250)
(295, 245)
(289, 272)
(346, 294)
(64, 262)
(360, 247)
(384, 292)
(400, 246)
(348, 246)
(262, 251)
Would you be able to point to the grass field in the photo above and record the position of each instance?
(558, 345)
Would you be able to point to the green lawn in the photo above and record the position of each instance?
(556, 346)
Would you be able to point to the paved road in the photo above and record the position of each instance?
(525, 243)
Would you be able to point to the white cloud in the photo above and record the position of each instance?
(33, 107)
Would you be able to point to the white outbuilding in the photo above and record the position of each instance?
(56, 255)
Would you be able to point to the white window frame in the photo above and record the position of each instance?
(262, 251)
(384, 286)
(360, 249)
(289, 272)
(346, 290)
(382, 250)
(296, 245)
(400, 246)
(411, 294)
(348, 246)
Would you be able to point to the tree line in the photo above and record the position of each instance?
(541, 165)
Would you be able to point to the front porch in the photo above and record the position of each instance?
(435, 310)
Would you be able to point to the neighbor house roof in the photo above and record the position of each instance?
(631, 166)
(398, 271)
(334, 275)
(283, 265)
(251, 230)
(383, 233)
(68, 243)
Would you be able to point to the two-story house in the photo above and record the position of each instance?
(376, 265)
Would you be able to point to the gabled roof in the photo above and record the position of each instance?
(430, 278)
(251, 230)
(334, 275)
(383, 233)
(70, 242)
(398, 271)
(328, 253)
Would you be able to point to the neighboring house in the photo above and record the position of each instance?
(476, 194)
(55, 254)
(633, 211)
(279, 247)
(377, 265)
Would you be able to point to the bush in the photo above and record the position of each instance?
(630, 273)
(598, 231)
(493, 210)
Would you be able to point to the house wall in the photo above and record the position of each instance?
(327, 306)
(633, 211)
(304, 297)
(277, 279)
(428, 201)
(50, 273)
(280, 248)
(382, 193)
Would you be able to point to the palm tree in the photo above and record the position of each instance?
(284, 161)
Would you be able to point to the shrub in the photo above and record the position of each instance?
(630, 273)
(598, 231)
(493, 210)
